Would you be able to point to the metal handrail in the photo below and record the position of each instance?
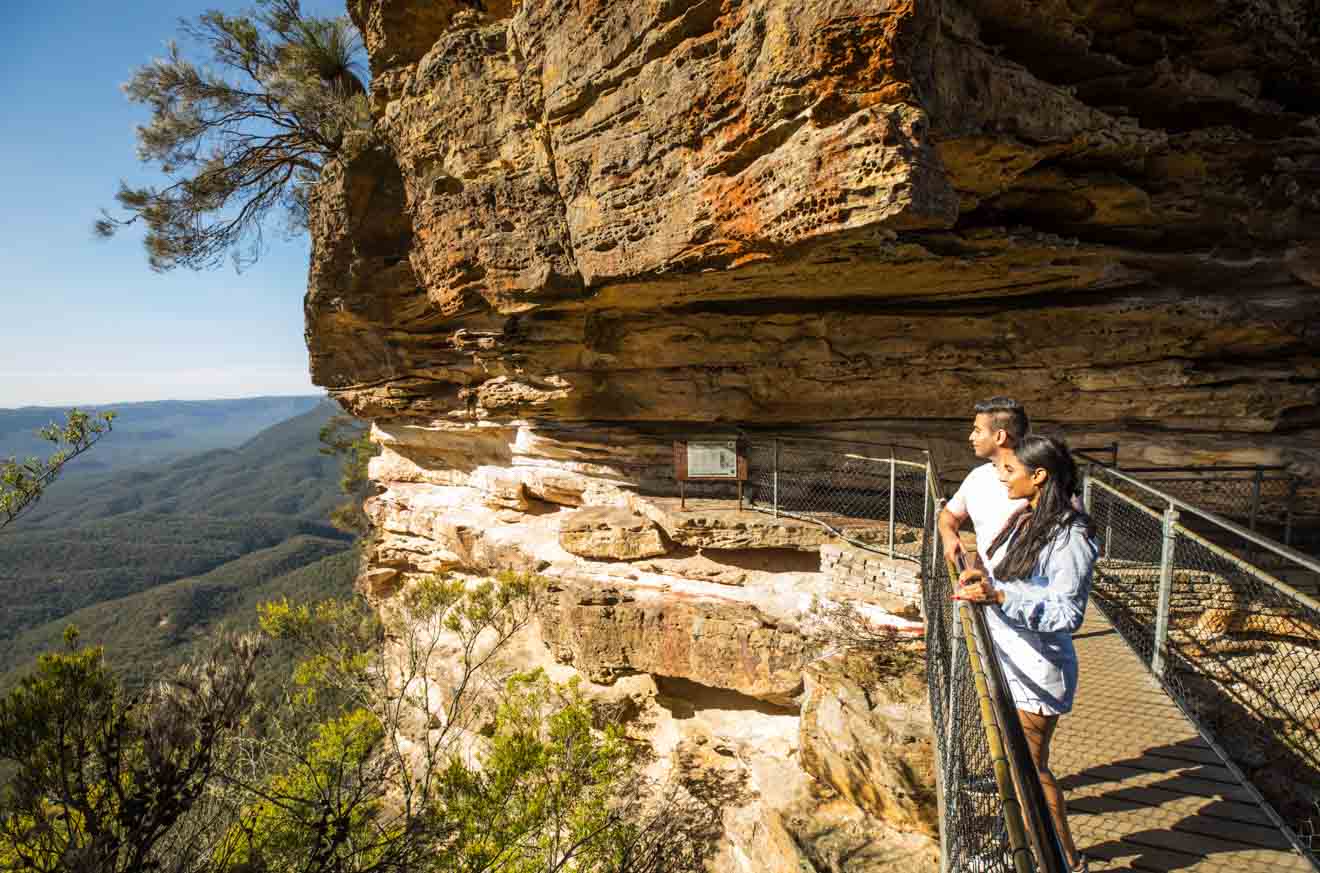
(994, 737)
(920, 465)
(1247, 534)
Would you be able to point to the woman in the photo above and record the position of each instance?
(1041, 577)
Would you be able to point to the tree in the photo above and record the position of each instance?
(245, 139)
(344, 436)
(483, 774)
(101, 779)
(23, 482)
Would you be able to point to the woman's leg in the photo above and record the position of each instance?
(1040, 730)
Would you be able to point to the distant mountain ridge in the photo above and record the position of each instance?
(151, 559)
(153, 432)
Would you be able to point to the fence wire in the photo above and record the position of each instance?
(1130, 537)
(974, 835)
(871, 496)
(1236, 646)
(1261, 499)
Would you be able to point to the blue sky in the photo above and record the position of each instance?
(85, 320)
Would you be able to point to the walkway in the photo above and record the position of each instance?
(1144, 791)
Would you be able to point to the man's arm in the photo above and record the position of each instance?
(949, 523)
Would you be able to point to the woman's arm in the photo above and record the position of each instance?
(1059, 604)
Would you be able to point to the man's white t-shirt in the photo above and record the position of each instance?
(984, 499)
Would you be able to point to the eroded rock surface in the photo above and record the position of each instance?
(743, 211)
(868, 736)
(611, 532)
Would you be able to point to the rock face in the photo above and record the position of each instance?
(762, 213)
(869, 737)
(610, 532)
(579, 231)
(606, 633)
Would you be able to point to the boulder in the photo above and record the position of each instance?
(610, 533)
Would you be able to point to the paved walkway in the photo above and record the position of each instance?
(1144, 791)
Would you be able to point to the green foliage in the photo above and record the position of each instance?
(511, 809)
(547, 790)
(345, 437)
(243, 137)
(151, 633)
(23, 482)
(335, 637)
(389, 752)
(102, 780)
(311, 815)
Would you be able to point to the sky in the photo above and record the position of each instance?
(84, 320)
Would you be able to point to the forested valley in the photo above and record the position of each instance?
(148, 561)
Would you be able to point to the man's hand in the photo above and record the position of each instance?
(953, 550)
(953, 547)
(975, 587)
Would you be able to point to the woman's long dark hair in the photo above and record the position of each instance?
(1055, 511)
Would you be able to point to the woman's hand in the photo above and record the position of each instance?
(974, 587)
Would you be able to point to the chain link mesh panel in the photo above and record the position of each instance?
(1242, 655)
(843, 486)
(1230, 494)
(975, 837)
(1264, 501)
(1244, 659)
(1126, 582)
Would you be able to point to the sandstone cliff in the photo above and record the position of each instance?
(580, 229)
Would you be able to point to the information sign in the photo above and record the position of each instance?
(712, 459)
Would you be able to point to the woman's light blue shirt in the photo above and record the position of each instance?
(1033, 627)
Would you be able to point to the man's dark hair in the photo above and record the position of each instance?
(1006, 414)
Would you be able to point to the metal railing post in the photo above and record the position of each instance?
(893, 478)
(775, 486)
(925, 502)
(1086, 488)
(1288, 513)
(1255, 497)
(1166, 593)
(1109, 525)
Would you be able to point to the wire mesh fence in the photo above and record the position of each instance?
(1130, 536)
(974, 835)
(1253, 496)
(1264, 499)
(871, 496)
(983, 822)
(1234, 644)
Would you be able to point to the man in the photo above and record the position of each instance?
(999, 425)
